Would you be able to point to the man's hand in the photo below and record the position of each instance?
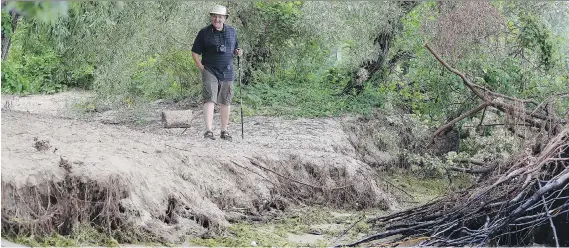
(197, 61)
(238, 52)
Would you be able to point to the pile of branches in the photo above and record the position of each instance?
(521, 201)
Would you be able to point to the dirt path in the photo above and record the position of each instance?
(204, 183)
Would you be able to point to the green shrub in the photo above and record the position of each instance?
(32, 73)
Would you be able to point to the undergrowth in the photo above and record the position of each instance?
(82, 235)
(323, 225)
(308, 101)
(425, 188)
(328, 224)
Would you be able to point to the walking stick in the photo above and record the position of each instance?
(240, 93)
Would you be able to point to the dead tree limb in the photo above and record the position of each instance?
(469, 161)
(471, 171)
(457, 119)
(553, 229)
(495, 99)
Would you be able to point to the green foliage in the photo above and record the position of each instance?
(83, 235)
(43, 11)
(31, 73)
(36, 63)
(6, 24)
(490, 144)
(534, 35)
(280, 20)
(273, 34)
(166, 76)
(276, 232)
(241, 236)
(424, 188)
(296, 61)
(292, 95)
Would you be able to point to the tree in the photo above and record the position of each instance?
(43, 12)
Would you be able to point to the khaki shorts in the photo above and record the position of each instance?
(216, 91)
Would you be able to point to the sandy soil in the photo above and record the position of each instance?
(211, 179)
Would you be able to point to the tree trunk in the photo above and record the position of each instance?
(177, 118)
(383, 40)
(7, 39)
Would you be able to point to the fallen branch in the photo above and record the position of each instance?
(466, 82)
(471, 171)
(393, 232)
(522, 113)
(348, 229)
(470, 161)
(504, 96)
(553, 229)
(451, 123)
(399, 188)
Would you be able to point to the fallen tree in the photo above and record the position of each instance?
(527, 196)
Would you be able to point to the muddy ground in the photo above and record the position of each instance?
(175, 186)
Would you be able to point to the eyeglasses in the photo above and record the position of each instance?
(217, 16)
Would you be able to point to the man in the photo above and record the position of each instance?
(217, 43)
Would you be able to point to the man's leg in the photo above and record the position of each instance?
(224, 114)
(208, 115)
(225, 97)
(210, 89)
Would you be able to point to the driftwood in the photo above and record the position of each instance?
(512, 203)
(177, 118)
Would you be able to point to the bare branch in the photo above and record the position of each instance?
(549, 217)
(451, 123)
(470, 161)
(472, 171)
(460, 74)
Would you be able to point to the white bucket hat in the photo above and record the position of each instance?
(219, 10)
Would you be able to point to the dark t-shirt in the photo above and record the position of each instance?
(207, 44)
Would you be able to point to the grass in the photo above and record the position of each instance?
(424, 189)
(300, 222)
(308, 100)
(83, 235)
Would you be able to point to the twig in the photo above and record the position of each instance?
(399, 188)
(546, 101)
(482, 118)
(498, 124)
(254, 172)
(294, 180)
(349, 228)
(393, 232)
(552, 185)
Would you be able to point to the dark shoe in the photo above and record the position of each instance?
(226, 136)
(209, 135)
